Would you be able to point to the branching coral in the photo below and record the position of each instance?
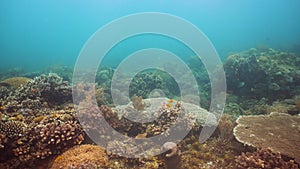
(48, 138)
(40, 92)
(12, 128)
(263, 158)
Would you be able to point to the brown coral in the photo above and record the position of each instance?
(172, 156)
(15, 82)
(138, 103)
(263, 158)
(83, 156)
(12, 128)
(278, 131)
(47, 139)
(3, 140)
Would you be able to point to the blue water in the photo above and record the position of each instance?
(37, 33)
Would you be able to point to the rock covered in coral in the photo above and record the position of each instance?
(92, 118)
(263, 73)
(263, 158)
(214, 153)
(159, 114)
(83, 156)
(279, 131)
(40, 92)
(147, 81)
(49, 136)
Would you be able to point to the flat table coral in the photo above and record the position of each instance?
(278, 131)
(15, 82)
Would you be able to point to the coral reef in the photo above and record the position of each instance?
(41, 92)
(48, 138)
(146, 81)
(279, 131)
(263, 158)
(215, 153)
(263, 73)
(82, 156)
(159, 114)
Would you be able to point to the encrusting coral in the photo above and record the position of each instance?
(15, 82)
(215, 153)
(279, 131)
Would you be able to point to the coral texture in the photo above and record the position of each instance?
(50, 136)
(263, 73)
(263, 158)
(12, 128)
(3, 140)
(82, 156)
(40, 92)
(278, 131)
(15, 82)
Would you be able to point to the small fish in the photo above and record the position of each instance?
(168, 105)
(140, 136)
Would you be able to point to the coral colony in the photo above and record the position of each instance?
(40, 127)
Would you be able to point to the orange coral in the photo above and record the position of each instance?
(83, 156)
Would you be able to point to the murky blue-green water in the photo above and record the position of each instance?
(35, 34)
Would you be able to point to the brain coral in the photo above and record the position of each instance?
(83, 156)
(278, 131)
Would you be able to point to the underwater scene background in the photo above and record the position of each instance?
(40, 127)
